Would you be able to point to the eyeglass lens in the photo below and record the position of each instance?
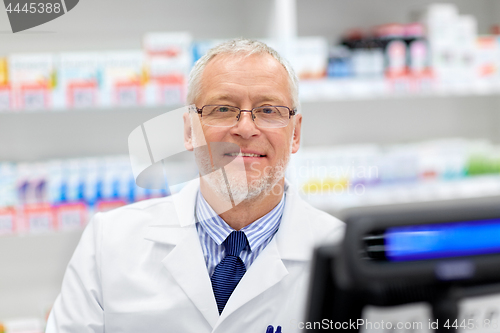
(225, 116)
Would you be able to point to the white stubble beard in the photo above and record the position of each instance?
(241, 190)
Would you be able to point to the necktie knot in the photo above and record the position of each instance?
(235, 243)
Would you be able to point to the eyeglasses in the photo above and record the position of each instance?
(262, 116)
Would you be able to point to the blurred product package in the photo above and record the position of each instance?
(368, 57)
(8, 197)
(418, 52)
(60, 195)
(391, 50)
(439, 51)
(79, 80)
(339, 62)
(452, 38)
(31, 79)
(123, 78)
(5, 93)
(487, 58)
(359, 175)
(309, 57)
(169, 60)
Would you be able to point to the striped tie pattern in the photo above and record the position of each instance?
(230, 270)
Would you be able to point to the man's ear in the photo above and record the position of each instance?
(296, 133)
(188, 133)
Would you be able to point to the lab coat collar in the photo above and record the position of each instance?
(187, 266)
(294, 237)
(186, 263)
(170, 229)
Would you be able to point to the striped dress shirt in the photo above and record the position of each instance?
(213, 230)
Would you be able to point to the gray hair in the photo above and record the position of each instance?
(246, 47)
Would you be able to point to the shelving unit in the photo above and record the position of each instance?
(332, 90)
(44, 135)
(335, 112)
(407, 194)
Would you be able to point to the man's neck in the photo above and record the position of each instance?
(247, 211)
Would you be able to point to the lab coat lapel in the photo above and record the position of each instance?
(187, 265)
(295, 238)
(186, 261)
(266, 271)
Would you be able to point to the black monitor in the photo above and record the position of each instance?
(394, 256)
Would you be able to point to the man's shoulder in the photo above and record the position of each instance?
(324, 227)
(170, 205)
(324, 224)
(141, 206)
(133, 224)
(142, 213)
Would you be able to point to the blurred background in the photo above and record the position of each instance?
(400, 101)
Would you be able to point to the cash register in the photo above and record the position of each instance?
(392, 257)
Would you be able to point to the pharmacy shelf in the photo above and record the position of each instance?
(379, 88)
(332, 90)
(35, 136)
(423, 193)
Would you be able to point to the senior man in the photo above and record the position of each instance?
(182, 264)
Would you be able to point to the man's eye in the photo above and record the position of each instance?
(223, 109)
(268, 110)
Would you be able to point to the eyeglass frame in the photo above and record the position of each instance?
(291, 112)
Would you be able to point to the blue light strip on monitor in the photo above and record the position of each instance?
(432, 241)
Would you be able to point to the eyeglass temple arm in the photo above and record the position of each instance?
(292, 112)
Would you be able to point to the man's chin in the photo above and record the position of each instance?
(246, 184)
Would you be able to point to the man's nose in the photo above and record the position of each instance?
(245, 127)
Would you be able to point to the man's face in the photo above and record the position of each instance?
(249, 82)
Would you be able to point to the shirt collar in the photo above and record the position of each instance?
(257, 232)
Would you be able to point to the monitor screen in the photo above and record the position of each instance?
(443, 240)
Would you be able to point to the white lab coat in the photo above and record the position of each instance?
(140, 268)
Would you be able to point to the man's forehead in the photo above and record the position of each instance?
(222, 96)
(241, 60)
(246, 67)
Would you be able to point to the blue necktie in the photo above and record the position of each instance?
(230, 270)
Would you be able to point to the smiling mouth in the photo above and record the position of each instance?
(243, 155)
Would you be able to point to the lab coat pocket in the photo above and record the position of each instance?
(156, 321)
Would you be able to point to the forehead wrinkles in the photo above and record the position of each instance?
(248, 68)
